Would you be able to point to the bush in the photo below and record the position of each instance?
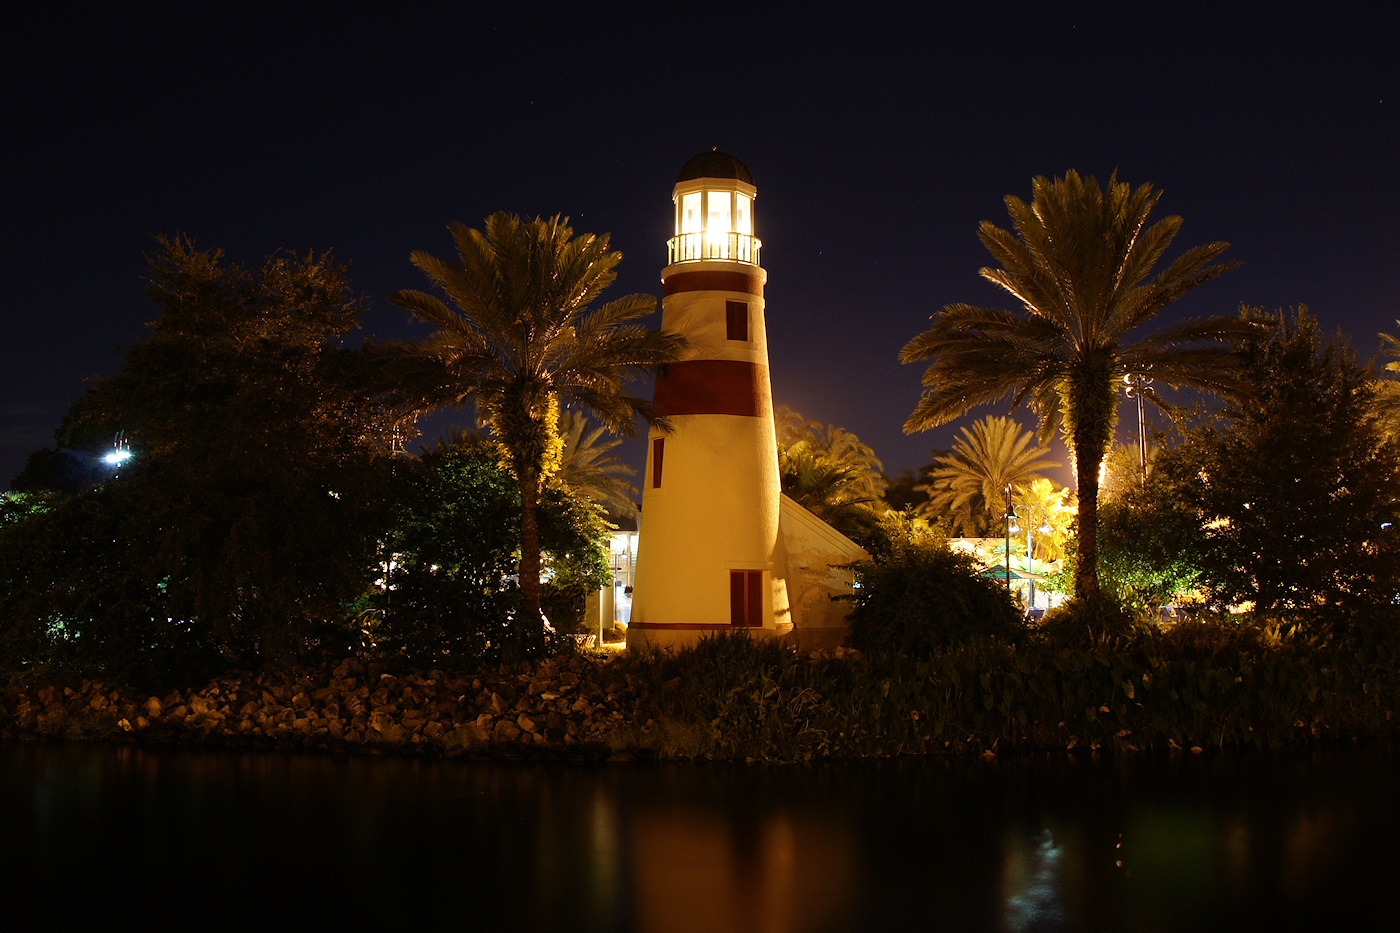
(923, 596)
(1092, 621)
(1210, 683)
(451, 597)
(81, 597)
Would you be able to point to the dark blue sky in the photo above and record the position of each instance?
(878, 142)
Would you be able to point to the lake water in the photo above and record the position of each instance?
(229, 840)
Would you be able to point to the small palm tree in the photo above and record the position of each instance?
(831, 472)
(521, 337)
(1388, 394)
(1080, 261)
(1042, 499)
(587, 466)
(1123, 472)
(969, 484)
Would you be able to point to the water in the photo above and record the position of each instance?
(203, 840)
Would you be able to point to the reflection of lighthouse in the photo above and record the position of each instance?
(710, 555)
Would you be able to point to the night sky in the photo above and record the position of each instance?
(877, 141)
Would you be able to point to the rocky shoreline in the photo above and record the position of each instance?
(571, 706)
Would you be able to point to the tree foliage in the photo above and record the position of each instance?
(1081, 262)
(1152, 547)
(1388, 388)
(589, 468)
(1123, 470)
(1042, 504)
(448, 591)
(1290, 489)
(247, 518)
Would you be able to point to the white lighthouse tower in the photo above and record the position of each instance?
(710, 555)
(720, 548)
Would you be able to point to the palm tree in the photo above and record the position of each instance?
(521, 337)
(831, 472)
(1041, 497)
(969, 484)
(1122, 471)
(1080, 261)
(1388, 394)
(588, 466)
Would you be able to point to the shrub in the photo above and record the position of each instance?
(922, 596)
(452, 596)
(1093, 621)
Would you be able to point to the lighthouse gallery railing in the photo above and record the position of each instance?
(692, 247)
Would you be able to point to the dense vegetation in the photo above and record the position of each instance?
(268, 517)
(1210, 684)
(271, 521)
(1285, 501)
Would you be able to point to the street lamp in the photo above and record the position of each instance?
(1133, 384)
(1011, 528)
(120, 452)
(1031, 529)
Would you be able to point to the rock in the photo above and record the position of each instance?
(506, 730)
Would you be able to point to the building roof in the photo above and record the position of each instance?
(715, 164)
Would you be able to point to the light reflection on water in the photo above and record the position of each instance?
(1031, 884)
(185, 838)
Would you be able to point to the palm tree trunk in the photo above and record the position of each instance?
(529, 626)
(1092, 413)
(1086, 568)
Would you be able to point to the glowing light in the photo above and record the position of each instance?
(120, 452)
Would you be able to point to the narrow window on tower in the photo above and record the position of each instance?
(736, 320)
(658, 448)
(746, 598)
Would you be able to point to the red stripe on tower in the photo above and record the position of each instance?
(714, 281)
(713, 387)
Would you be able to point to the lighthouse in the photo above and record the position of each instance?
(713, 550)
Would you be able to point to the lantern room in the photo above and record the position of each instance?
(714, 198)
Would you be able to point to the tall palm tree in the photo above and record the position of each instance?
(969, 484)
(521, 337)
(1080, 261)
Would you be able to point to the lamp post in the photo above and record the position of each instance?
(1011, 528)
(1031, 529)
(1133, 384)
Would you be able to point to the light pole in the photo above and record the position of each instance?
(1133, 384)
(1011, 527)
(1031, 528)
